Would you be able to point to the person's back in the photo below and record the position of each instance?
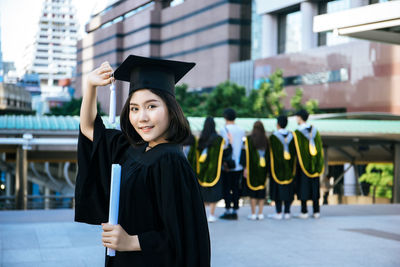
(310, 163)
(231, 178)
(237, 134)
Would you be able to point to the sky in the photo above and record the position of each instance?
(19, 22)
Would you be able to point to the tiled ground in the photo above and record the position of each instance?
(343, 236)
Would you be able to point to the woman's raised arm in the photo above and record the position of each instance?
(98, 77)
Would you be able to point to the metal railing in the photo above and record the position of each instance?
(39, 202)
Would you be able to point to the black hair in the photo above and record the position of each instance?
(303, 114)
(229, 114)
(258, 136)
(282, 121)
(190, 140)
(177, 131)
(207, 134)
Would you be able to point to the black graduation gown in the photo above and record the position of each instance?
(160, 199)
(212, 165)
(283, 189)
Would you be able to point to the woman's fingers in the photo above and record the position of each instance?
(110, 245)
(107, 226)
(105, 63)
(107, 240)
(107, 234)
(106, 75)
(105, 70)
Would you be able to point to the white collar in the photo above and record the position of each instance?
(283, 131)
(304, 126)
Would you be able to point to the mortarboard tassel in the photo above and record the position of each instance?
(111, 117)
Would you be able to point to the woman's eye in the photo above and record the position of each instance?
(151, 106)
(134, 109)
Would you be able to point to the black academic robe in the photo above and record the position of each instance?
(209, 175)
(257, 169)
(282, 170)
(160, 199)
(310, 167)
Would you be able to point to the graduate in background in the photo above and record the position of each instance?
(162, 221)
(210, 148)
(283, 168)
(254, 159)
(231, 177)
(311, 164)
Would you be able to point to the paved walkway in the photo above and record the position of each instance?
(343, 236)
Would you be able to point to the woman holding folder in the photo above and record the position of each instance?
(162, 221)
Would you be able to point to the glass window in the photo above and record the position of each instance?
(176, 2)
(289, 32)
(378, 1)
(256, 32)
(329, 38)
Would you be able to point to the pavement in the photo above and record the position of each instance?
(345, 235)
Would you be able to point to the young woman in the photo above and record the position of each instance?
(162, 221)
(210, 148)
(255, 157)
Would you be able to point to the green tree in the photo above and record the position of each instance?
(192, 103)
(296, 102)
(270, 96)
(71, 108)
(181, 93)
(312, 106)
(380, 177)
(227, 95)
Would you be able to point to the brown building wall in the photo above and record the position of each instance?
(373, 75)
(212, 33)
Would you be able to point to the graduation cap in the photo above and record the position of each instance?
(152, 73)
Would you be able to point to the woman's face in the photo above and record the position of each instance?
(149, 116)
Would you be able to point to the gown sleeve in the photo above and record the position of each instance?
(183, 238)
(92, 190)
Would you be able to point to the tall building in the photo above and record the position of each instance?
(1, 61)
(53, 53)
(212, 33)
(319, 47)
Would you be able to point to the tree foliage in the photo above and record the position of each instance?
(192, 103)
(228, 95)
(380, 177)
(296, 102)
(269, 102)
(71, 108)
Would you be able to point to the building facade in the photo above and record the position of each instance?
(14, 99)
(212, 33)
(52, 55)
(1, 61)
(342, 73)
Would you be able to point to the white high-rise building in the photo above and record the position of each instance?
(1, 60)
(53, 53)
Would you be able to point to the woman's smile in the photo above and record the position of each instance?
(146, 129)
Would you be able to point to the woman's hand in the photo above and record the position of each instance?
(245, 173)
(115, 237)
(101, 76)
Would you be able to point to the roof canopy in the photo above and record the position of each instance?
(358, 139)
(378, 22)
